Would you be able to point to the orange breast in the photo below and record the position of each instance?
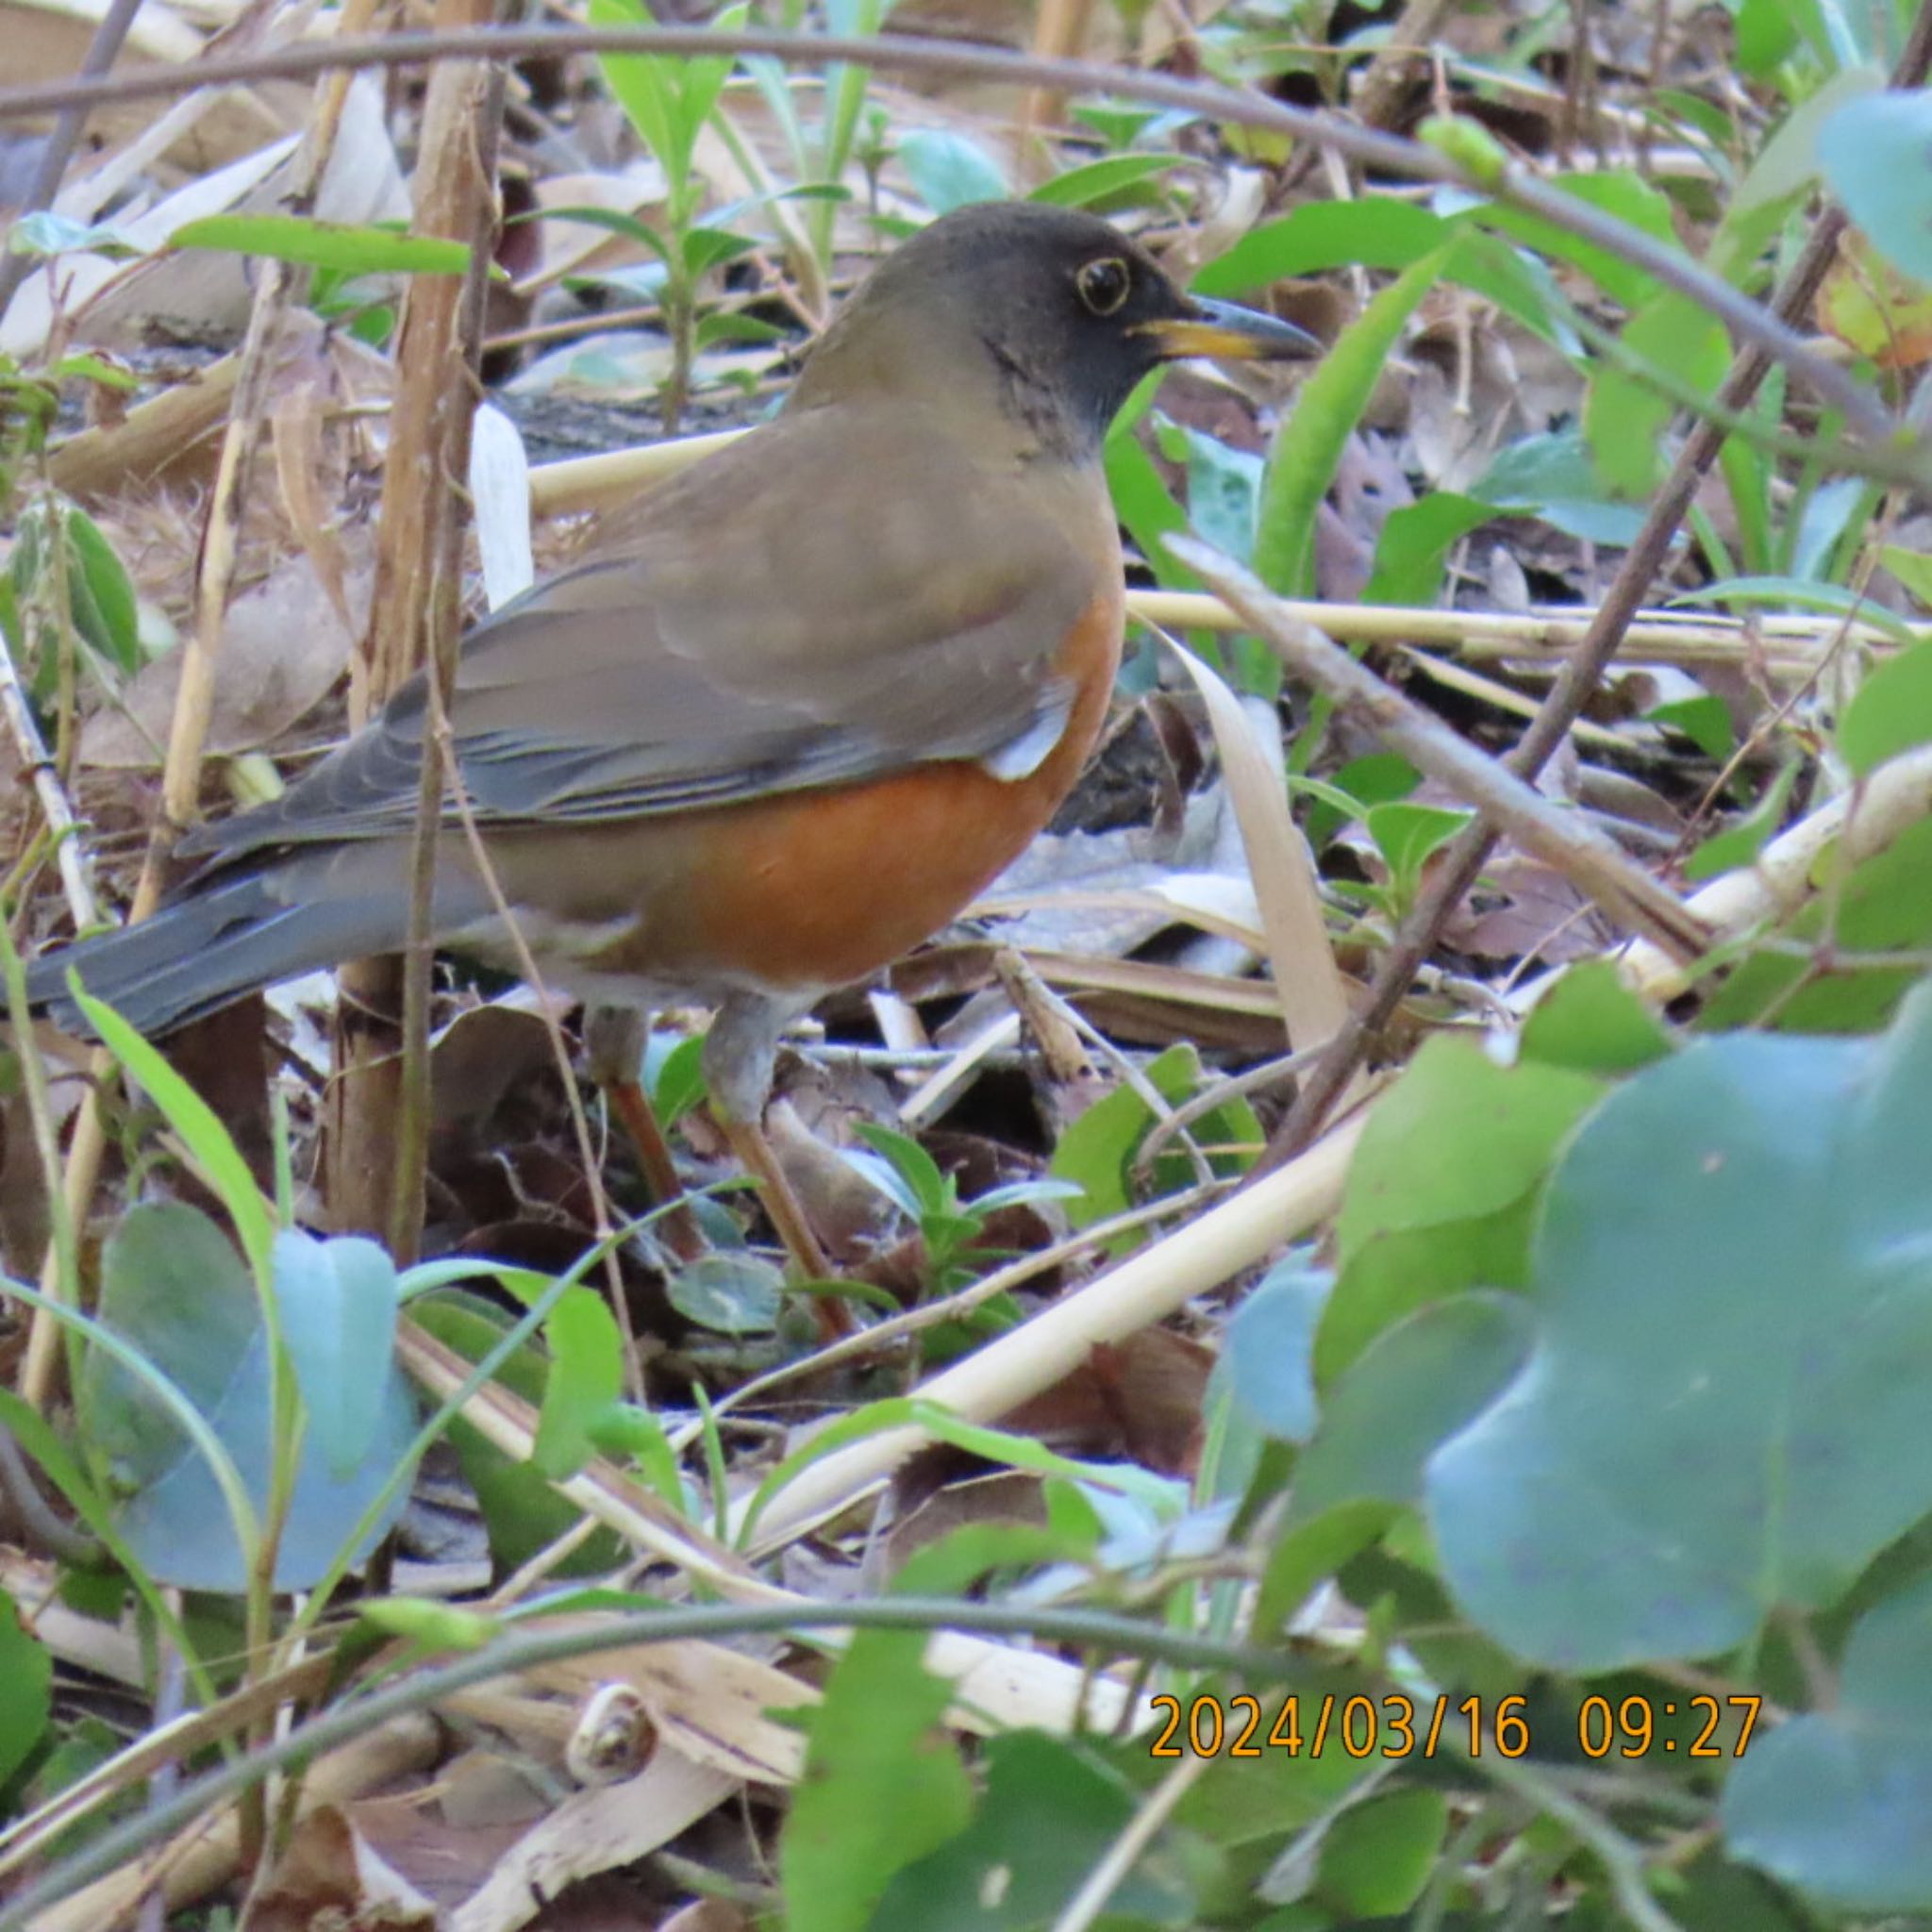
(815, 889)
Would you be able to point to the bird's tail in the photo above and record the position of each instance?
(211, 945)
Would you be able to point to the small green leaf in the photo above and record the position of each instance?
(356, 251)
(1891, 713)
(676, 1080)
(1590, 1022)
(1270, 1347)
(1414, 547)
(948, 171)
(1703, 720)
(27, 1689)
(338, 1305)
(1378, 1856)
(732, 1293)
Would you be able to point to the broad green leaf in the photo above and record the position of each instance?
(1759, 1204)
(1413, 1388)
(1590, 1022)
(586, 1374)
(1415, 543)
(1374, 231)
(103, 600)
(949, 171)
(27, 1684)
(1873, 153)
(1378, 1856)
(1703, 720)
(336, 1301)
(883, 1786)
(174, 1290)
(1763, 35)
(1310, 1552)
(356, 251)
(1308, 445)
(1835, 1801)
(1891, 713)
(1912, 568)
(675, 1077)
(1441, 1187)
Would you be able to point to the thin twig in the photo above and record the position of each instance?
(1512, 183)
(1561, 839)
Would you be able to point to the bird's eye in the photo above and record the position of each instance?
(1104, 284)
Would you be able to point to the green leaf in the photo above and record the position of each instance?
(732, 1293)
(1373, 231)
(336, 1301)
(586, 1373)
(27, 1689)
(1763, 35)
(1740, 843)
(1835, 1801)
(356, 251)
(1049, 1814)
(1873, 153)
(675, 1079)
(523, 1512)
(1103, 180)
(1624, 195)
(1758, 1203)
(1551, 476)
(1408, 836)
(1590, 1022)
(948, 171)
(1378, 1856)
(1269, 1345)
(1625, 419)
(1097, 1152)
(1413, 1388)
(1415, 543)
(1891, 713)
(1441, 1186)
(174, 1291)
(1703, 720)
(1308, 445)
(882, 1785)
(103, 600)
(923, 1186)
(1912, 568)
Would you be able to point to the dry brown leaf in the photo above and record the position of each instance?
(330, 1880)
(283, 647)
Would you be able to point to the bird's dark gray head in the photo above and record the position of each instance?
(1050, 313)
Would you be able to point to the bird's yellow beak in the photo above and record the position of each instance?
(1230, 332)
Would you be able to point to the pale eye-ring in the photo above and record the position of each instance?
(1104, 284)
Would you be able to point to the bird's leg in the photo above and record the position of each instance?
(739, 1052)
(614, 1048)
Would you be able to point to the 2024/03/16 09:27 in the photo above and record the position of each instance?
(1394, 1725)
